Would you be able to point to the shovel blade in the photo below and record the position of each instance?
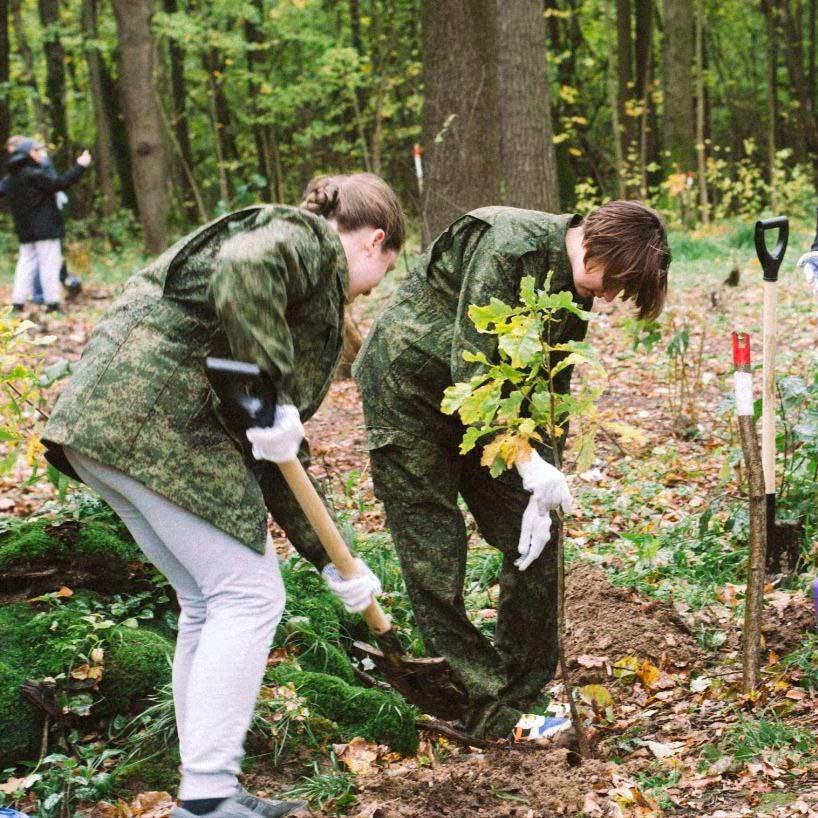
(427, 683)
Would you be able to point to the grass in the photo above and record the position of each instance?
(332, 790)
(767, 735)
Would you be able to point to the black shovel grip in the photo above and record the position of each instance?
(770, 262)
(246, 394)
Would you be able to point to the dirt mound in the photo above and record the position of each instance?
(787, 617)
(496, 784)
(607, 622)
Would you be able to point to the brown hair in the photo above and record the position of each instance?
(357, 200)
(629, 240)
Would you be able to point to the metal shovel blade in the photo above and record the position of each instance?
(428, 683)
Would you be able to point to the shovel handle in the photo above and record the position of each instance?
(334, 544)
(770, 262)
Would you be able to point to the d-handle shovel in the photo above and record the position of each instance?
(781, 537)
(248, 399)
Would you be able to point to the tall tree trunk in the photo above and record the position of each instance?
(119, 136)
(772, 99)
(811, 49)
(104, 159)
(143, 119)
(704, 204)
(529, 164)
(226, 149)
(679, 117)
(5, 108)
(613, 103)
(624, 64)
(643, 86)
(179, 122)
(54, 74)
(29, 78)
(461, 137)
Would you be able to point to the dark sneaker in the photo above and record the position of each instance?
(235, 808)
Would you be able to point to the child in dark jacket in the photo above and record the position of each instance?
(29, 190)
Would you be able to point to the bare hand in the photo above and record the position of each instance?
(84, 159)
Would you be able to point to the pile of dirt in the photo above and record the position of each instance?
(495, 784)
(606, 622)
(787, 617)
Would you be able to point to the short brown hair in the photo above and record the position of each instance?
(629, 240)
(358, 200)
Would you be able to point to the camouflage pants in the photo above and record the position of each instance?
(419, 487)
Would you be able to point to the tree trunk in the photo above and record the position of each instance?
(624, 64)
(704, 204)
(528, 161)
(179, 123)
(5, 109)
(104, 158)
(54, 74)
(679, 117)
(29, 78)
(772, 101)
(461, 136)
(142, 119)
(643, 86)
(119, 136)
(226, 149)
(613, 103)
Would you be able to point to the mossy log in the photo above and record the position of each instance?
(37, 557)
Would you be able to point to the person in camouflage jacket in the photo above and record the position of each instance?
(139, 423)
(412, 353)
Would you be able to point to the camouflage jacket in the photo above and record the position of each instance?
(266, 284)
(415, 348)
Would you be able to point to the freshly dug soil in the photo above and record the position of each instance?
(496, 784)
(604, 621)
(785, 625)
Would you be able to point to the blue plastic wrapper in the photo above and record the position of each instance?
(8, 812)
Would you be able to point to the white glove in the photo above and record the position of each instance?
(356, 593)
(548, 492)
(809, 261)
(279, 442)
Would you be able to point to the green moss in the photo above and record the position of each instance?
(374, 714)
(137, 662)
(20, 725)
(31, 540)
(309, 597)
(157, 774)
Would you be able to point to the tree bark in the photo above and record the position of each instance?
(143, 119)
(528, 160)
(772, 101)
(104, 158)
(614, 104)
(624, 65)
(5, 108)
(179, 123)
(226, 149)
(54, 74)
(29, 78)
(704, 204)
(679, 117)
(643, 87)
(461, 136)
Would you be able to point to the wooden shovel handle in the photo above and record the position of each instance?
(334, 544)
(769, 391)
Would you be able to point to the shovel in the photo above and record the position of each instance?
(248, 399)
(782, 538)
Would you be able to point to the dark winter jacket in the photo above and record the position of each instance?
(29, 191)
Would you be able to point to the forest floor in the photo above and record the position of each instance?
(655, 587)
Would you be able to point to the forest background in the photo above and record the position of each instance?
(193, 107)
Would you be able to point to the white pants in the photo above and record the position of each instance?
(232, 599)
(45, 256)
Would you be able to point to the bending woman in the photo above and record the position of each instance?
(137, 423)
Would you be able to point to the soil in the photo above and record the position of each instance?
(495, 784)
(785, 625)
(606, 623)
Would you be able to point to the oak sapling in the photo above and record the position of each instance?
(513, 402)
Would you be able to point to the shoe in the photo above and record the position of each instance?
(269, 808)
(236, 808)
(542, 729)
(53, 306)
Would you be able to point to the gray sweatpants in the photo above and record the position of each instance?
(232, 599)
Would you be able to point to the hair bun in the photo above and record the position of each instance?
(321, 197)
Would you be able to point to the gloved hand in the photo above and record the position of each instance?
(548, 492)
(279, 442)
(356, 593)
(809, 261)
